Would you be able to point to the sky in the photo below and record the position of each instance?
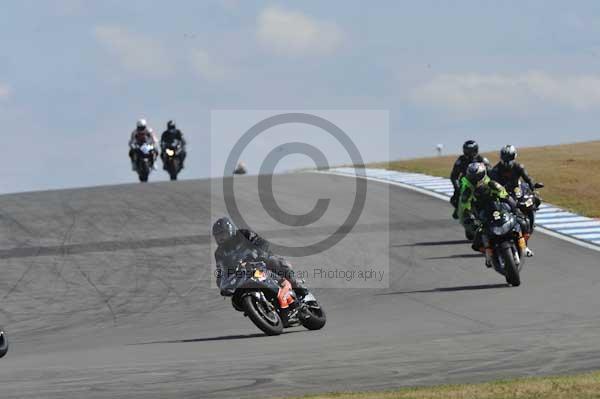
(75, 75)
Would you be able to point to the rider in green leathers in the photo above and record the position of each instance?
(464, 209)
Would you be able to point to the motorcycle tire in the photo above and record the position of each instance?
(3, 343)
(143, 172)
(251, 309)
(510, 268)
(317, 318)
(173, 169)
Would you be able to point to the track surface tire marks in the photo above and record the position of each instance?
(105, 293)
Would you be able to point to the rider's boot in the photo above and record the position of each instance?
(455, 214)
(524, 248)
(284, 314)
(528, 252)
(489, 253)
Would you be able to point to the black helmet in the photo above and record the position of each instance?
(508, 153)
(470, 148)
(476, 172)
(171, 125)
(223, 230)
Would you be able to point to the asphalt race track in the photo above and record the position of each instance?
(105, 292)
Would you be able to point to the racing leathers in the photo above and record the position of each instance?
(247, 245)
(459, 171)
(138, 138)
(509, 174)
(167, 138)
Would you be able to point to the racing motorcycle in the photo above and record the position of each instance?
(504, 231)
(3, 343)
(255, 290)
(528, 201)
(144, 160)
(171, 158)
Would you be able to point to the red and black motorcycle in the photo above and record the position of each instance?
(256, 291)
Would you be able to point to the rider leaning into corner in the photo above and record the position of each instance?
(233, 247)
(459, 170)
(508, 171)
(172, 133)
(485, 192)
(142, 134)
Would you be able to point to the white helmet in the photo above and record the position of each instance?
(141, 124)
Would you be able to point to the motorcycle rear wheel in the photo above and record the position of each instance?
(317, 318)
(260, 316)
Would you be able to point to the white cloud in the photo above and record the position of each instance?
(135, 52)
(295, 33)
(5, 91)
(476, 93)
(206, 67)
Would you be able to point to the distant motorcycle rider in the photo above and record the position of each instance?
(485, 192)
(142, 134)
(168, 136)
(508, 171)
(459, 170)
(235, 244)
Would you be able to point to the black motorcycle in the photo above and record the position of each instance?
(528, 201)
(255, 291)
(503, 231)
(3, 343)
(144, 160)
(172, 158)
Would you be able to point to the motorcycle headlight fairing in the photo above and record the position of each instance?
(500, 230)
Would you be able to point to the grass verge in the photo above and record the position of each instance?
(582, 386)
(571, 172)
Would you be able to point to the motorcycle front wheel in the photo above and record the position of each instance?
(172, 168)
(267, 320)
(3, 343)
(510, 268)
(143, 172)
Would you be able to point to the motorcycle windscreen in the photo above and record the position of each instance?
(501, 220)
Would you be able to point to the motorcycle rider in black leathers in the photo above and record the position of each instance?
(238, 245)
(470, 155)
(172, 133)
(508, 171)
